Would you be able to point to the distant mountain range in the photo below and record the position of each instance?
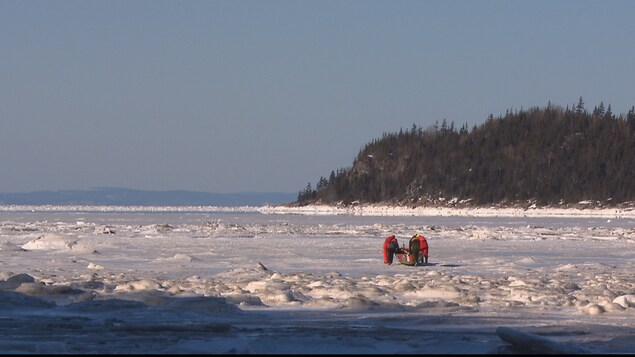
(130, 197)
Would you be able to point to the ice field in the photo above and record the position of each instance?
(272, 280)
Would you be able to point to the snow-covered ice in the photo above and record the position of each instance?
(102, 279)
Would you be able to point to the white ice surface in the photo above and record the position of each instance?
(235, 280)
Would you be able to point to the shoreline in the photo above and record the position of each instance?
(358, 210)
(384, 210)
(466, 212)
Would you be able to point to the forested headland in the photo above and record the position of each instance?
(544, 156)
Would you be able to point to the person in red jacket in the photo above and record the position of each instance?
(391, 247)
(419, 248)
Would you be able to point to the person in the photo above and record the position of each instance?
(419, 248)
(391, 247)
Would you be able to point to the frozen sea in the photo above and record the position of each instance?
(168, 280)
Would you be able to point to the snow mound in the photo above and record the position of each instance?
(50, 241)
(143, 284)
(182, 258)
(94, 266)
(57, 242)
(567, 267)
(625, 301)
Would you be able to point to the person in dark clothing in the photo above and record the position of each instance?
(419, 248)
(391, 247)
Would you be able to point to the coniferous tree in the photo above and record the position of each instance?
(630, 117)
(579, 108)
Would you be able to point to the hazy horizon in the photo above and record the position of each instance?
(119, 196)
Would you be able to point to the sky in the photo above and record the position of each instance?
(267, 96)
(120, 280)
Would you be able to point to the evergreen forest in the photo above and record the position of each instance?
(543, 156)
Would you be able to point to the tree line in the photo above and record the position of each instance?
(545, 156)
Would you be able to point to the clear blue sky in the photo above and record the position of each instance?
(263, 95)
